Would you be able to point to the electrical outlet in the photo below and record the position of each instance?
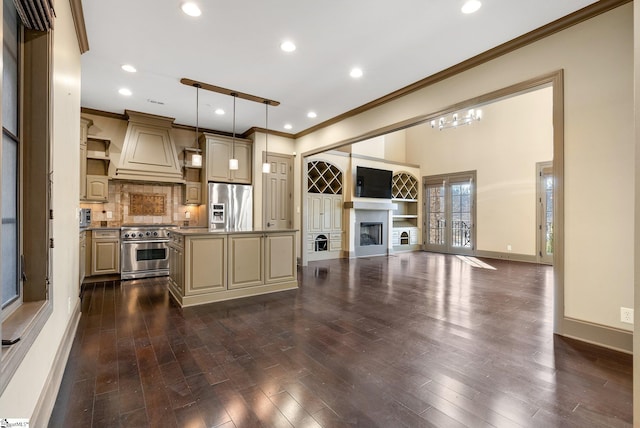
(109, 214)
(626, 315)
(509, 247)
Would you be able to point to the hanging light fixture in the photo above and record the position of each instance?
(473, 115)
(193, 157)
(266, 166)
(233, 162)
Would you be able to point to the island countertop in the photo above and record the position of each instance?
(191, 231)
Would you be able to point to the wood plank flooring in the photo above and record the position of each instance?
(412, 340)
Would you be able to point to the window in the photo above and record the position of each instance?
(25, 196)
(11, 286)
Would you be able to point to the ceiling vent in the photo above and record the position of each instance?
(148, 151)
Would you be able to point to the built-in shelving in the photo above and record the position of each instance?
(404, 191)
(324, 177)
(404, 186)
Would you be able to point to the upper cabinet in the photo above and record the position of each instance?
(217, 151)
(94, 165)
(85, 124)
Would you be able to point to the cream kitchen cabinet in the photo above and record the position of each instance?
(324, 222)
(246, 260)
(192, 193)
(105, 251)
(205, 264)
(97, 188)
(85, 124)
(218, 150)
(176, 261)
(219, 266)
(82, 263)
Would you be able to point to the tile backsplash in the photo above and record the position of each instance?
(119, 206)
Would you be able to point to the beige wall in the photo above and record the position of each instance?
(23, 392)
(503, 149)
(597, 59)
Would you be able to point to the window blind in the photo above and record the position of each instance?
(36, 14)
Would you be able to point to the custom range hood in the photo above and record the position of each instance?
(148, 151)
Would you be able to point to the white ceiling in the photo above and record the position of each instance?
(235, 44)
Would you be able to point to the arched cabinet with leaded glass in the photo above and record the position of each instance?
(324, 210)
(405, 232)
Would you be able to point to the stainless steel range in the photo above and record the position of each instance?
(144, 250)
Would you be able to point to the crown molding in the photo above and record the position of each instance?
(78, 22)
(556, 26)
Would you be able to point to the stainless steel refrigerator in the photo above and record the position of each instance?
(230, 206)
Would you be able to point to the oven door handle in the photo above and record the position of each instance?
(146, 242)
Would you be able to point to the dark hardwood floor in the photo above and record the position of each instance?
(412, 340)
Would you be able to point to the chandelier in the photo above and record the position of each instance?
(456, 119)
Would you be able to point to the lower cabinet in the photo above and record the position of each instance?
(105, 252)
(246, 260)
(220, 266)
(176, 262)
(82, 258)
(205, 264)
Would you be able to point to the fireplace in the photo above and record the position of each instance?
(371, 234)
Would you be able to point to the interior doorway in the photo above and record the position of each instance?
(544, 213)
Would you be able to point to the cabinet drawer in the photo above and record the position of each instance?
(105, 234)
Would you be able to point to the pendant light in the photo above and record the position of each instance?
(266, 166)
(193, 157)
(233, 162)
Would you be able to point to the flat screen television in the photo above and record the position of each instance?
(373, 183)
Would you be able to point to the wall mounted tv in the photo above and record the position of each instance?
(373, 183)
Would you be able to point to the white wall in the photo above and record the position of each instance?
(21, 395)
(597, 58)
(503, 148)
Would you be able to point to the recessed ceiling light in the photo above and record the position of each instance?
(312, 114)
(191, 9)
(288, 126)
(219, 111)
(288, 46)
(471, 6)
(356, 73)
(124, 91)
(129, 68)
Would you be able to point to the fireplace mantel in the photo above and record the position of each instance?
(370, 205)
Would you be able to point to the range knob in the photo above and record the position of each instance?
(126, 235)
(140, 235)
(148, 233)
(155, 233)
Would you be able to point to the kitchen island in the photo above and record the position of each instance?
(207, 267)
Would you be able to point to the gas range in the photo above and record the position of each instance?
(144, 250)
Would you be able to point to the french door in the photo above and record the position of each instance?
(449, 213)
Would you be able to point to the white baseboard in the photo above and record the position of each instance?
(49, 393)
